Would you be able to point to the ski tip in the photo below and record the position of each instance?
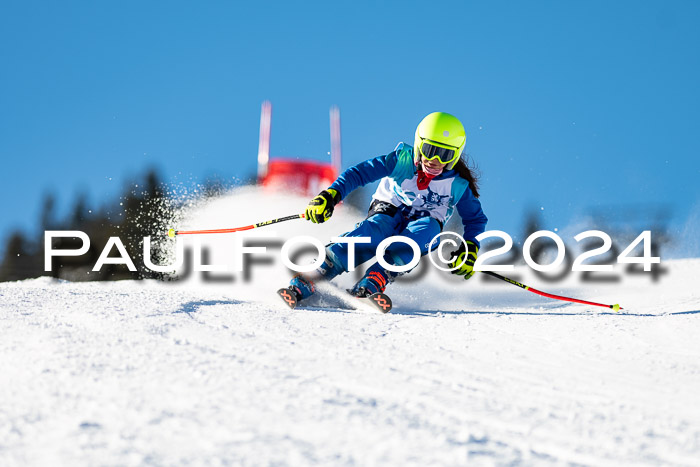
(171, 233)
(381, 301)
(289, 298)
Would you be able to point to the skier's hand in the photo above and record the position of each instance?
(464, 257)
(320, 209)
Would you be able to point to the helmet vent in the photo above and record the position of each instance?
(445, 133)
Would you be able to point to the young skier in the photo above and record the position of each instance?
(420, 188)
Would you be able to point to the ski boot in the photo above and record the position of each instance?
(372, 287)
(372, 283)
(299, 289)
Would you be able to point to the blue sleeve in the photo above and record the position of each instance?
(363, 173)
(473, 218)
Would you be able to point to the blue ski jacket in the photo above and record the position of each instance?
(398, 174)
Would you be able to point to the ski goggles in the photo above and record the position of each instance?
(432, 150)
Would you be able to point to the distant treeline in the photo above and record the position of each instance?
(145, 208)
(141, 211)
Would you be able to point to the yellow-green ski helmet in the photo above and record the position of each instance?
(442, 136)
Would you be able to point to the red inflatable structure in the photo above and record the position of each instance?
(306, 177)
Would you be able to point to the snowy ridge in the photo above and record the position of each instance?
(133, 373)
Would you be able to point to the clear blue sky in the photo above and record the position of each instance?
(568, 105)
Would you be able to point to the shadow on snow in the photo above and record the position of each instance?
(409, 312)
(194, 306)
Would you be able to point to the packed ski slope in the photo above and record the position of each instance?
(219, 373)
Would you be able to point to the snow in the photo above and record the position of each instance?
(131, 373)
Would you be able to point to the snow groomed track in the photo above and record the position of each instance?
(134, 373)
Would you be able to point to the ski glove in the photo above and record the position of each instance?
(320, 209)
(463, 260)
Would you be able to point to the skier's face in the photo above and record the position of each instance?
(433, 166)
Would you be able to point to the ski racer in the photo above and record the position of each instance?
(420, 188)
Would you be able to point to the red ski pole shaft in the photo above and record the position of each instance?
(615, 307)
(172, 232)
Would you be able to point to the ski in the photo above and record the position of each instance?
(380, 301)
(289, 297)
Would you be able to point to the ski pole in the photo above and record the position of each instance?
(615, 307)
(172, 232)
